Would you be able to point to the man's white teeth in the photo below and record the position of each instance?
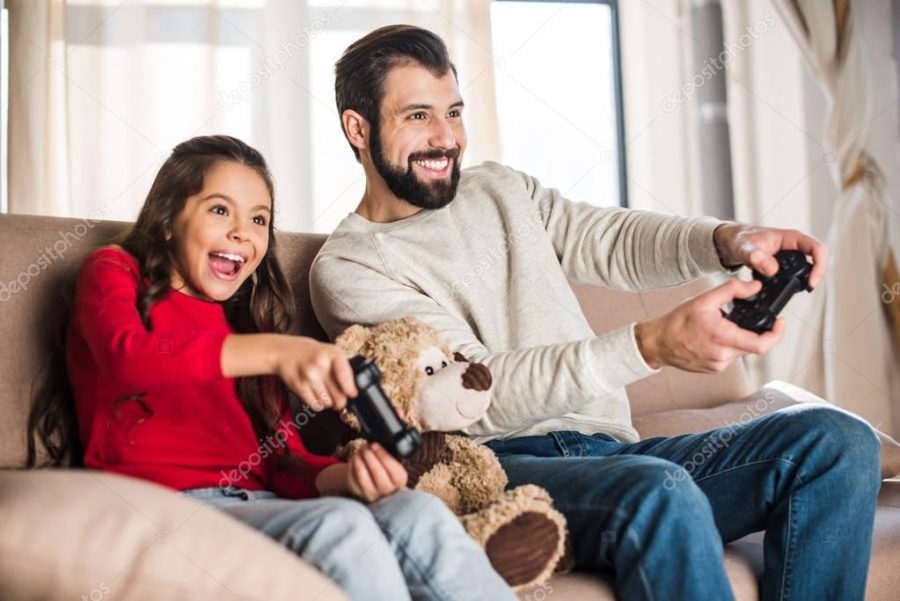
(230, 257)
(437, 165)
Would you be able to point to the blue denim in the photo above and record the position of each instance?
(658, 511)
(407, 545)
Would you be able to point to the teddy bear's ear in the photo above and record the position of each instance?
(352, 339)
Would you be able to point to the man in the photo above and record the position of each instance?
(486, 255)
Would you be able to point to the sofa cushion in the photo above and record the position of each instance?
(578, 586)
(78, 534)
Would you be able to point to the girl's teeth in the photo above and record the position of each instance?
(230, 257)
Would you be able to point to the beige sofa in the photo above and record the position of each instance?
(71, 534)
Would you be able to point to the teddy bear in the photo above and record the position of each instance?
(440, 394)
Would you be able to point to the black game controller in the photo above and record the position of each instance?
(377, 417)
(758, 313)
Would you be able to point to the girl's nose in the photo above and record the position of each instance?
(239, 231)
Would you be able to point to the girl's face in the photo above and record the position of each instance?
(222, 233)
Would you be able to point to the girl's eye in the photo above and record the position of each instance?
(429, 371)
(219, 210)
(259, 220)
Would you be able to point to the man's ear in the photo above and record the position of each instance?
(356, 128)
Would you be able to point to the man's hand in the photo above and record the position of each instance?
(695, 336)
(755, 247)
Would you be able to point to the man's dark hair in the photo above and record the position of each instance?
(362, 69)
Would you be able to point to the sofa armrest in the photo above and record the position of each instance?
(73, 534)
(773, 396)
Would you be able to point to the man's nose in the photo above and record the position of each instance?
(442, 135)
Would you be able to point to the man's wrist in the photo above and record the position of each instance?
(723, 236)
(645, 336)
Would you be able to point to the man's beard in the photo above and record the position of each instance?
(404, 183)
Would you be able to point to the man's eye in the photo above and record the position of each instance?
(219, 210)
(429, 371)
(259, 220)
(454, 113)
(418, 116)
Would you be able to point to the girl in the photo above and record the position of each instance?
(174, 339)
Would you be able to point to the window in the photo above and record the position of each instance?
(143, 76)
(559, 95)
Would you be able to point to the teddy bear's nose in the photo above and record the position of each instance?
(477, 377)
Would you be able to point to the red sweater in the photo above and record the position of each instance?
(189, 428)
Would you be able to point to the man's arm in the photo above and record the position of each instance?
(529, 384)
(625, 249)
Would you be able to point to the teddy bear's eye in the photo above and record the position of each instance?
(443, 364)
(429, 371)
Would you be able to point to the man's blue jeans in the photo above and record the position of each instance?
(657, 512)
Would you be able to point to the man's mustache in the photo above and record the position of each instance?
(437, 153)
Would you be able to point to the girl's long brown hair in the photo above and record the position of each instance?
(262, 304)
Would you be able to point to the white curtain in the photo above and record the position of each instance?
(101, 90)
(856, 364)
(38, 162)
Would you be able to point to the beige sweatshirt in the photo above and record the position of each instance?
(491, 272)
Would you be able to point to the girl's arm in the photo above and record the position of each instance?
(318, 373)
(106, 315)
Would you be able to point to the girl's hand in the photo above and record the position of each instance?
(318, 373)
(372, 473)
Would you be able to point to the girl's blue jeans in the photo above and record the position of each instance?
(407, 545)
(657, 512)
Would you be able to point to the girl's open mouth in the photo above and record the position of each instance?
(226, 265)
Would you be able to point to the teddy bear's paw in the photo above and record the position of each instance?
(525, 551)
(523, 536)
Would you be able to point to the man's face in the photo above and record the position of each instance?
(418, 145)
